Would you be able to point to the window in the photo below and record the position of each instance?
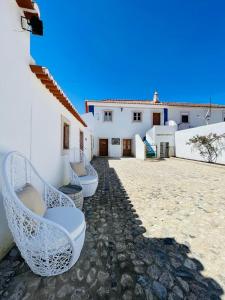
(185, 118)
(66, 136)
(137, 116)
(224, 116)
(107, 116)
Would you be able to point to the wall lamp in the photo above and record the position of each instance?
(33, 24)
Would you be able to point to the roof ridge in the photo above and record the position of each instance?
(167, 103)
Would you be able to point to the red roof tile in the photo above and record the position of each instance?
(150, 102)
(47, 80)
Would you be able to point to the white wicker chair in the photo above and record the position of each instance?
(89, 182)
(51, 244)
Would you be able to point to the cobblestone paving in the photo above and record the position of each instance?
(117, 261)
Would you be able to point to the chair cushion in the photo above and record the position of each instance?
(88, 179)
(79, 169)
(32, 199)
(71, 218)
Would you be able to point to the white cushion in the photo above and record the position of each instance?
(71, 218)
(32, 199)
(79, 169)
(88, 179)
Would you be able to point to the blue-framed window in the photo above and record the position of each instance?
(91, 109)
(165, 113)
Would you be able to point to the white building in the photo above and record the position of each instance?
(36, 118)
(128, 127)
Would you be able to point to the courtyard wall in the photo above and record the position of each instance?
(186, 151)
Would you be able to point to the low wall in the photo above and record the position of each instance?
(186, 151)
(140, 151)
(158, 134)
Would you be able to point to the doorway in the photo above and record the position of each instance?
(127, 147)
(103, 147)
(156, 119)
(164, 150)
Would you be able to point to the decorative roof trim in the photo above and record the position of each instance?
(48, 81)
(151, 102)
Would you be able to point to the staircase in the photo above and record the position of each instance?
(149, 150)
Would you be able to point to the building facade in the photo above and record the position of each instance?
(36, 117)
(118, 123)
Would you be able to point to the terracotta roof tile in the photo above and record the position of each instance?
(48, 81)
(150, 102)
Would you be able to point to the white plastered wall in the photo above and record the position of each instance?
(123, 127)
(186, 151)
(140, 150)
(30, 117)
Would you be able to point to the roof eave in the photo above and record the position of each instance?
(51, 85)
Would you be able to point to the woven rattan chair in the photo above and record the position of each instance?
(89, 182)
(52, 243)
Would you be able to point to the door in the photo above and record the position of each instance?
(156, 119)
(81, 140)
(164, 150)
(126, 147)
(103, 147)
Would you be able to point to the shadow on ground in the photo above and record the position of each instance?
(117, 261)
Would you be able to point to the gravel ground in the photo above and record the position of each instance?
(123, 260)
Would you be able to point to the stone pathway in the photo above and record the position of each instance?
(117, 261)
(181, 199)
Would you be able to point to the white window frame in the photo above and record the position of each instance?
(185, 114)
(104, 116)
(133, 118)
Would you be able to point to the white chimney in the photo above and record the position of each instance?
(156, 97)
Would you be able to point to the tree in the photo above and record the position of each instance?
(209, 146)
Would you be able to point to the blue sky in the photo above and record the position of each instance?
(128, 48)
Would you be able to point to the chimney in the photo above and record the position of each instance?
(156, 98)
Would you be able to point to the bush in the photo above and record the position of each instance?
(209, 146)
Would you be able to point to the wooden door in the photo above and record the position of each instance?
(103, 147)
(156, 119)
(126, 147)
(81, 140)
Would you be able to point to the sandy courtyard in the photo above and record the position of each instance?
(180, 199)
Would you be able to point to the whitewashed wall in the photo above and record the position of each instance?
(30, 117)
(123, 127)
(140, 150)
(88, 144)
(186, 151)
(159, 134)
(122, 121)
(89, 135)
(196, 115)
